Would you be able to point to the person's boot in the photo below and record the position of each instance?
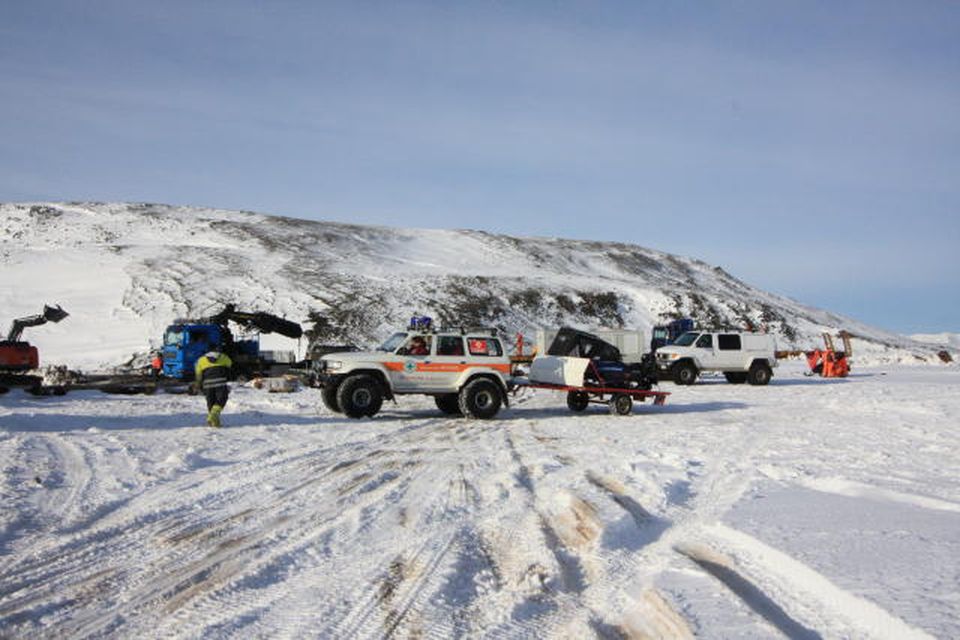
(215, 415)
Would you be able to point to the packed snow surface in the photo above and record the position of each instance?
(809, 508)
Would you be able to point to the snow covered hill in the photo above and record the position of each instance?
(124, 271)
(945, 340)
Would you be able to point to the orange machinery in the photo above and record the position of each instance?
(829, 362)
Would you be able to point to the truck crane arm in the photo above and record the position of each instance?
(50, 314)
(259, 320)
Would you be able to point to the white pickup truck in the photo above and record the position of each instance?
(742, 357)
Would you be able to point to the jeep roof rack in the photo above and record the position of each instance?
(465, 329)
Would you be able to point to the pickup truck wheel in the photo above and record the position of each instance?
(759, 374)
(577, 400)
(329, 396)
(359, 396)
(449, 403)
(685, 373)
(480, 399)
(735, 377)
(621, 404)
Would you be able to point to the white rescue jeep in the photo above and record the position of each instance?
(466, 371)
(742, 357)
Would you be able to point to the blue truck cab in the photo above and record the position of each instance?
(184, 344)
(665, 334)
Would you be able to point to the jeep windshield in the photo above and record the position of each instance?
(393, 342)
(686, 339)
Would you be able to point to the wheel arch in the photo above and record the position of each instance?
(375, 373)
(488, 375)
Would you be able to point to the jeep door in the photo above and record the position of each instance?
(442, 369)
(407, 370)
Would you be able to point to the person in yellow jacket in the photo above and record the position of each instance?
(212, 373)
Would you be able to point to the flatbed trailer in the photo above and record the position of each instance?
(618, 400)
(120, 383)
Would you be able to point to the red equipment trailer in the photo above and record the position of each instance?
(620, 401)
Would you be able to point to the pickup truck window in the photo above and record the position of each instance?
(728, 342)
(705, 341)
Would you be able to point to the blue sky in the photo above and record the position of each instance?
(810, 148)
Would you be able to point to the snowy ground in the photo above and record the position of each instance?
(811, 508)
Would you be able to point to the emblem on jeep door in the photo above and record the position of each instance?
(410, 366)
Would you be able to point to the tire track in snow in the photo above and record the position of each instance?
(201, 577)
(361, 476)
(68, 569)
(569, 535)
(162, 515)
(734, 557)
(443, 495)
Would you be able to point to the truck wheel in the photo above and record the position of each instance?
(359, 396)
(735, 377)
(685, 373)
(759, 374)
(577, 400)
(621, 404)
(329, 396)
(480, 399)
(449, 403)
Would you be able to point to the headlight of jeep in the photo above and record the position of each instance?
(333, 365)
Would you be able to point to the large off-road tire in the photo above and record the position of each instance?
(735, 377)
(359, 396)
(759, 374)
(480, 398)
(449, 403)
(329, 396)
(685, 373)
(577, 400)
(621, 404)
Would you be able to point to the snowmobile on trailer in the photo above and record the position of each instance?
(592, 371)
(18, 357)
